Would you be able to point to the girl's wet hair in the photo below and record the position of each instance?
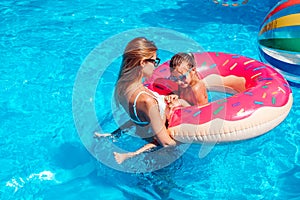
(178, 58)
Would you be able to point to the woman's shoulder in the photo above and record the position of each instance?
(146, 99)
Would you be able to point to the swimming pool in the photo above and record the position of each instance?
(43, 44)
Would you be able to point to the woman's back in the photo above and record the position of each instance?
(139, 101)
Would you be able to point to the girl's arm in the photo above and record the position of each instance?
(200, 93)
(173, 100)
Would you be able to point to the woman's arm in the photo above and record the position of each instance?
(160, 131)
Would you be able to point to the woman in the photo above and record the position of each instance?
(146, 108)
(191, 86)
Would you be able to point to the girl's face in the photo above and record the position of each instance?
(149, 65)
(182, 75)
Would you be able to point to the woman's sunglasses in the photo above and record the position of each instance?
(155, 62)
(181, 77)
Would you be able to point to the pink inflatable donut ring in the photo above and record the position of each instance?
(261, 99)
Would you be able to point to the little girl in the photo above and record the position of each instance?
(191, 87)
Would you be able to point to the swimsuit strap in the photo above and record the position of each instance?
(138, 121)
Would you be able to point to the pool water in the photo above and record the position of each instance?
(42, 46)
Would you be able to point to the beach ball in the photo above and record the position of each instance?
(231, 2)
(279, 39)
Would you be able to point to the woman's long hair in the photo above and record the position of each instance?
(136, 50)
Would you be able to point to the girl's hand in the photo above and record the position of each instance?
(171, 98)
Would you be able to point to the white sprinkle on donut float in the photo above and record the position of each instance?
(261, 99)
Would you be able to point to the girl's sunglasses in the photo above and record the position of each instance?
(181, 77)
(155, 62)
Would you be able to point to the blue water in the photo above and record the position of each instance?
(43, 45)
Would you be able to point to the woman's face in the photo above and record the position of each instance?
(181, 75)
(149, 65)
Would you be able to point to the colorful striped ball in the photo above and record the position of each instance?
(279, 39)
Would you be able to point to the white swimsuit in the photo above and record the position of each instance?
(161, 105)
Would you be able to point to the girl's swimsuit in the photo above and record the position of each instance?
(161, 105)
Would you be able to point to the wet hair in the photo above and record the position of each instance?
(178, 58)
(137, 50)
